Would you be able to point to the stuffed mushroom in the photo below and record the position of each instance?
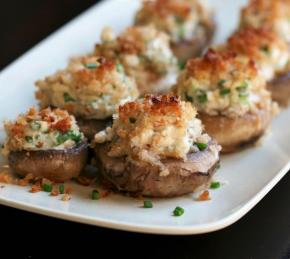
(189, 24)
(230, 96)
(273, 15)
(90, 88)
(46, 144)
(145, 54)
(157, 147)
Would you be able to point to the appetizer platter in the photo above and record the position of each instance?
(169, 117)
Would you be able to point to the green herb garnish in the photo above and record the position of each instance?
(178, 211)
(215, 185)
(120, 68)
(47, 187)
(201, 146)
(95, 195)
(132, 120)
(181, 32)
(242, 89)
(35, 125)
(188, 98)
(61, 188)
(225, 91)
(179, 20)
(201, 96)
(181, 64)
(148, 204)
(265, 49)
(29, 139)
(76, 137)
(91, 66)
(68, 98)
(222, 82)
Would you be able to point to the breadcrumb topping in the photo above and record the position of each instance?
(144, 52)
(181, 19)
(224, 83)
(262, 45)
(40, 130)
(90, 87)
(154, 128)
(273, 14)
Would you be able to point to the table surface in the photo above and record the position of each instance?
(263, 233)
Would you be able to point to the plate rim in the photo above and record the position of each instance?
(115, 224)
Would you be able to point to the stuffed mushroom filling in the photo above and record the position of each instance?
(44, 130)
(145, 54)
(222, 83)
(154, 129)
(90, 87)
(181, 19)
(268, 50)
(270, 14)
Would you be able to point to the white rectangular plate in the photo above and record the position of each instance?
(250, 174)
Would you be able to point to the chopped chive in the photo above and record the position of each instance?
(243, 87)
(181, 64)
(148, 204)
(178, 19)
(188, 98)
(76, 137)
(201, 96)
(222, 82)
(95, 195)
(181, 32)
(61, 188)
(178, 211)
(47, 187)
(91, 66)
(35, 125)
(201, 146)
(132, 120)
(29, 139)
(120, 68)
(265, 49)
(225, 91)
(215, 185)
(68, 98)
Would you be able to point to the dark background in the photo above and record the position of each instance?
(262, 233)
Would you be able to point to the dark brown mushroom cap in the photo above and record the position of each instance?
(92, 126)
(55, 165)
(235, 133)
(280, 89)
(145, 179)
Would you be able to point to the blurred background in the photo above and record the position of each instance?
(25, 23)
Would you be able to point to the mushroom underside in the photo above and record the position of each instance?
(55, 165)
(142, 178)
(236, 133)
(280, 89)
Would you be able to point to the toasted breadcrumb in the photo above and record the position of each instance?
(204, 196)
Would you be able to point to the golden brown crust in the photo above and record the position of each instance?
(214, 63)
(269, 10)
(152, 105)
(251, 41)
(234, 133)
